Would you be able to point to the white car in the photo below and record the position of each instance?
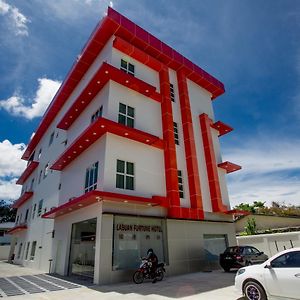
(276, 278)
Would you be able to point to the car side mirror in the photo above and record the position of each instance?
(268, 267)
(262, 252)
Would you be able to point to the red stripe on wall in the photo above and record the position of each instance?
(211, 165)
(189, 143)
(169, 148)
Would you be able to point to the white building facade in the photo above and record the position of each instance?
(126, 158)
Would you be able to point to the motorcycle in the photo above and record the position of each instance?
(144, 272)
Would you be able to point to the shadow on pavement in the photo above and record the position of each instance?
(173, 286)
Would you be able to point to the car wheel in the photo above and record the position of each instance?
(254, 291)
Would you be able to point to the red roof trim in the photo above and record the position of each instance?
(116, 24)
(17, 229)
(221, 127)
(102, 76)
(97, 196)
(27, 172)
(26, 196)
(97, 130)
(229, 166)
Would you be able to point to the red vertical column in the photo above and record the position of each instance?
(211, 166)
(170, 148)
(189, 143)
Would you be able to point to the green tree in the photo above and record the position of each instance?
(250, 227)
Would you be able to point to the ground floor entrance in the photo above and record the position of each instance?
(82, 252)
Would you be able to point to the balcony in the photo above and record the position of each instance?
(18, 228)
(25, 197)
(221, 127)
(97, 130)
(27, 172)
(98, 196)
(105, 73)
(229, 167)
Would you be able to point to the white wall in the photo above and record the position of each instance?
(148, 163)
(141, 71)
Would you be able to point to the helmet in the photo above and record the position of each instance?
(150, 251)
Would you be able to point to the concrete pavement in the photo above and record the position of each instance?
(202, 285)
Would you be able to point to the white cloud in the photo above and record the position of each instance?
(270, 171)
(11, 167)
(11, 164)
(17, 106)
(17, 20)
(9, 190)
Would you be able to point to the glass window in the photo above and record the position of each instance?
(46, 170)
(33, 248)
(288, 260)
(40, 207)
(127, 67)
(51, 138)
(126, 115)
(26, 215)
(40, 153)
(32, 184)
(20, 250)
(27, 250)
(172, 94)
(255, 251)
(33, 211)
(125, 175)
(97, 114)
(180, 184)
(133, 236)
(176, 137)
(91, 178)
(40, 176)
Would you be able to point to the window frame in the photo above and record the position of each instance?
(92, 170)
(172, 92)
(128, 178)
(33, 250)
(176, 134)
(128, 116)
(40, 208)
(97, 114)
(51, 139)
(126, 66)
(180, 184)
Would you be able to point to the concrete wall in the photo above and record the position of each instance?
(271, 243)
(4, 252)
(267, 222)
(185, 247)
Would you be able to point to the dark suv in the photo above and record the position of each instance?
(241, 256)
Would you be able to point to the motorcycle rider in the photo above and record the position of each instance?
(151, 257)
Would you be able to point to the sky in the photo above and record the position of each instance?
(253, 47)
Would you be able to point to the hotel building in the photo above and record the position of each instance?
(126, 158)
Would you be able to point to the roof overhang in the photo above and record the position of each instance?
(95, 131)
(229, 167)
(27, 172)
(98, 196)
(25, 197)
(17, 229)
(116, 24)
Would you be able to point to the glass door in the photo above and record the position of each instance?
(82, 254)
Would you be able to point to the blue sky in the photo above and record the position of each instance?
(253, 47)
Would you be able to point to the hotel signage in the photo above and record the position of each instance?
(141, 228)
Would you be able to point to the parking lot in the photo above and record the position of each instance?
(23, 283)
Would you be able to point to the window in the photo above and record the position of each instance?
(19, 250)
(287, 260)
(32, 253)
(40, 153)
(31, 185)
(125, 175)
(46, 170)
(180, 184)
(33, 211)
(26, 215)
(172, 93)
(40, 176)
(91, 177)
(27, 250)
(51, 138)
(40, 207)
(176, 137)
(17, 221)
(126, 115)
(127, 67)
(97, 114)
